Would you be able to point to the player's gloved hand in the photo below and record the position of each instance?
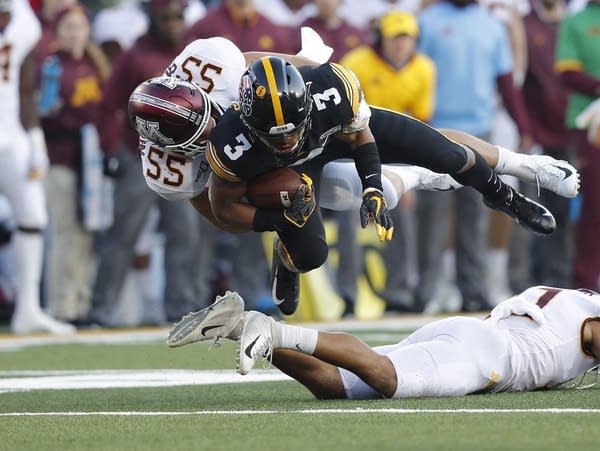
(374, 207)
(38, 154)
(517, 306)
(303, 205)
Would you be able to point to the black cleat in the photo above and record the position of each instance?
(285, 283)
(529, 214)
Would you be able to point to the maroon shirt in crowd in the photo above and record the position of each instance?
(147, 58)
(248, 33)
(80, 95)
(544, 94)
(341, 39)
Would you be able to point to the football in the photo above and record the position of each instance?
(273, 189)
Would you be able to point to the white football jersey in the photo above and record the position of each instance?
(216, 65)
(549, 354)
(16, 41)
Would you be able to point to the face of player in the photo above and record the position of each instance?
(284, 145)
(73, 32)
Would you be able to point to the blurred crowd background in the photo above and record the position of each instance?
(514, 72)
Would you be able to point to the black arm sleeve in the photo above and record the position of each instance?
(368, 166)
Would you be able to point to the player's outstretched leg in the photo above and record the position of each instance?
(221, 319)
(285, 283)
(256, 341)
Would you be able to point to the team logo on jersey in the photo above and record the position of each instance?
(261, 91)
(151, 131)
(246, 95)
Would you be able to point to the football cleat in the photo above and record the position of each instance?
(529, 214)
(256, 341)
(221, 319)
(433, 181)
(285, 283)
(555, 175)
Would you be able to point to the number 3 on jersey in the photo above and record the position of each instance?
(238, 150)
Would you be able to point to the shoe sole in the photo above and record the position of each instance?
(188, 330)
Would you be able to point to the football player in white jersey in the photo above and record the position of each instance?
(176, 168)
(23, 161)
(539, 338)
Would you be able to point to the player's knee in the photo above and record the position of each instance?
(452, 162)
(312, 257)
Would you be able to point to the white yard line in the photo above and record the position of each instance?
(300, 411)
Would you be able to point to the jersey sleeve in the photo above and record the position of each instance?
(173, 177)
(219, 165)
(361, 113)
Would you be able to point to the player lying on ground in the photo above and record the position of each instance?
(540, 338)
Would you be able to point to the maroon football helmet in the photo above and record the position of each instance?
(174, 114)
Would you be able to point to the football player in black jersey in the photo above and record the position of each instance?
(306, 117)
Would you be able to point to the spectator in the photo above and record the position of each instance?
(473, 49)
(578, 63)
(394, 75)
(148, 57)
(240, 22)
(334, 30)
(24, 159)
(71, 78)
(546, 101)
(289, 13)
(47, 16)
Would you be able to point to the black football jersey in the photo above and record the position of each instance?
(235, 155)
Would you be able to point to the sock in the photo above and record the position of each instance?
(294, 337)
(485, 180)
(510, 162)
(409, 178)
(28, 251)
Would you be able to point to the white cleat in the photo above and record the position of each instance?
(40, 322)
(555, 175)
(433, 181)
(256, 341)
(223, 318)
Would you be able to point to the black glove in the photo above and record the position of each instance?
(303, 205)
(112, 166)
(374, 207)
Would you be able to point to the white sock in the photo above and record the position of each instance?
(294, 337)
(410, 178)
(28, 251)
(510, 162)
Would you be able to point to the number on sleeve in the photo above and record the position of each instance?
(330, 94)
(172, 162)
(5, 61)
(238, 151)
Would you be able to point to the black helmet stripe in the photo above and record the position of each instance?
(274, 91)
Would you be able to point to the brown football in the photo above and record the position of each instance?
(273, 189)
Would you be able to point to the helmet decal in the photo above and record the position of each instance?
(261, 91)
(151, 131)
(276, 101)
(246, 95)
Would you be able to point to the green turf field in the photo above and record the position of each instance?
(267, 415)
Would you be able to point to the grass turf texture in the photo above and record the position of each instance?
(285, 426)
